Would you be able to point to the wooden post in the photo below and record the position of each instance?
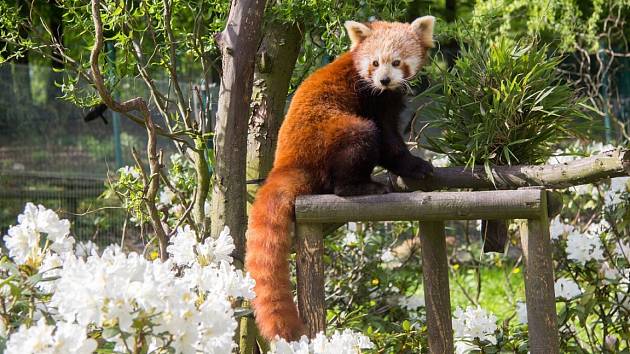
(310, 276)
(436, 289)
(539, 284)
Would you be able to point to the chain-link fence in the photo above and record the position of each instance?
(50, 155)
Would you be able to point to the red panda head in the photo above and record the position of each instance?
(387, 54)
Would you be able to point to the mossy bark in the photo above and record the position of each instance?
(275, 62)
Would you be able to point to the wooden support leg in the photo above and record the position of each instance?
(539, 285)
(436, 289)
(310, 276)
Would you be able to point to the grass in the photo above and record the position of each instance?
(501, 288)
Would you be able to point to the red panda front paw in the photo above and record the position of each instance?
(415, 168)
(423, 168)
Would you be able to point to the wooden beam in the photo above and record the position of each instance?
(310, 277)
(431, 206)
(615, 163)
(436, 288)
(539, 285)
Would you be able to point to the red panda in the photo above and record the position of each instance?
(341, 123)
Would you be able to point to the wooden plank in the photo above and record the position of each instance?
(436, 288)
(432, 206)
(539, 285)
(310, 277)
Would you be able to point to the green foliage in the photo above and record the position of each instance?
(502, 104)
(566, 23)
(366, 284)
(325, 36)
(23, 285)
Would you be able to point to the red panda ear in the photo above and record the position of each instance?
(423, 26)
(357, 32)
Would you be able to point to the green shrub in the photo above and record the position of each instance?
(502, 104)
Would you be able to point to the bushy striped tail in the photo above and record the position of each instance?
(268, 248)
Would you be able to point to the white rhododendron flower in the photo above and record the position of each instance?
(42, 338)
(411, 303)
(521, 312)
(598, 228)
(130, 170)
(618, 186)
(350, 238)
(167, 196)
(622, 249)
(22, 243)
(181, 247)
(566, 288)
(440, 160)
(346, 342)
(185, 250)
(582, 248)
(226, 279)
(474, 322)
(50, 268)
(390, 260)
(24, 240)
(184, 303)
(608, 273)
(557, 228)
(44, 220)
(218, 250)
(85, 248)
(118, 288)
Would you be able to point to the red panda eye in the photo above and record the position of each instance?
(396, 63)
(375, 63)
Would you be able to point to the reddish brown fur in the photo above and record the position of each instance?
(333, 135)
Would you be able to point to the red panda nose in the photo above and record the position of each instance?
(385, 81)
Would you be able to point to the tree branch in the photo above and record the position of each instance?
(592, 169)
(135, 104)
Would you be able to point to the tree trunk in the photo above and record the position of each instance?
(276, 59)
(238, 42)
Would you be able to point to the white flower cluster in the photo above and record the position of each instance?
(582, 248)
(474, 322)
(521, 312)
(63, 338)
(558, 228)
(183, 304)
(131, 171)
(440, 160)
(119, 290)
(185, 250)
(577, 151)
(566, 288)
(390, 260)
(24, 239)
(346, 342)
(411, 303)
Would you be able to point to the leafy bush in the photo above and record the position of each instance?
(502, 104)
(57, 296)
